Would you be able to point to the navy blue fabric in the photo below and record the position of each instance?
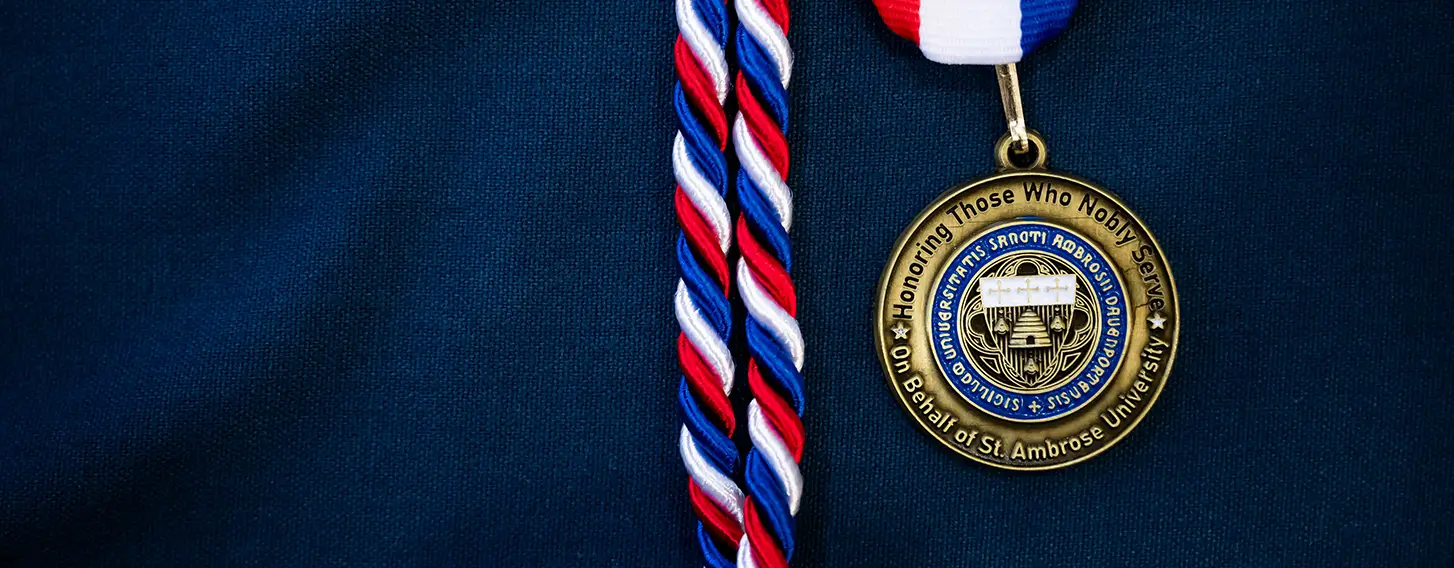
(362, 283)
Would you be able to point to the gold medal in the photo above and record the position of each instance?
(1027, 320)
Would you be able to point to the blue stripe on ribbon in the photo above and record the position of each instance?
(1041, 20)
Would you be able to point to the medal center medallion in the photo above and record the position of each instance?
(1029, 321)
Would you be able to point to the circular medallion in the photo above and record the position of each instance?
(1027, 320)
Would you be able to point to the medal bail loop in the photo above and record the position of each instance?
(1033, 158)
(1014, 106)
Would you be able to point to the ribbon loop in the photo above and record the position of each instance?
(976, 32)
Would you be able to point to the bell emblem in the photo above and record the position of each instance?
(1057, 324)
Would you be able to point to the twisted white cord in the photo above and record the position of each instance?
(700, 333)
(704, 46)
(760, 169)
(762, 308)
(768, 441)
(718, 487)
(744, 554)
(767, 312)
(701, 192)
(758, 23)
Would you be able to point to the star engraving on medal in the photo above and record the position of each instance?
(1156, 321)
(900, 332)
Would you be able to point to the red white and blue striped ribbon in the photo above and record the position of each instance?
(976, 32)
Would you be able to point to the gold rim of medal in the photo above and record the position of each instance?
(1027, 320)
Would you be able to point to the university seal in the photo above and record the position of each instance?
(1027, 320)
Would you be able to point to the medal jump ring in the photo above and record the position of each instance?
(1033, 158)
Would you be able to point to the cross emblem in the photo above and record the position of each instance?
(1059, 288)
(998, 290)
(1027, 288)
(1034, 406)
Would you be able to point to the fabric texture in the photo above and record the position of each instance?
(357, 283)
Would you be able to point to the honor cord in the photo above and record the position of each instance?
(775, 345)
(703, 307)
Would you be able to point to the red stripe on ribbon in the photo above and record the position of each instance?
(902, 16)
(721, 525)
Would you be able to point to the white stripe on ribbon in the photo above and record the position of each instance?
(704, 338)
(768, 441)
(762, 172)
(978, 32)
(718, 487)
(699, 38)
(762, 27)
(702, 193)
(766, 311)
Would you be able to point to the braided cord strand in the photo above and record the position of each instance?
(774, 482)
(703, 307)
